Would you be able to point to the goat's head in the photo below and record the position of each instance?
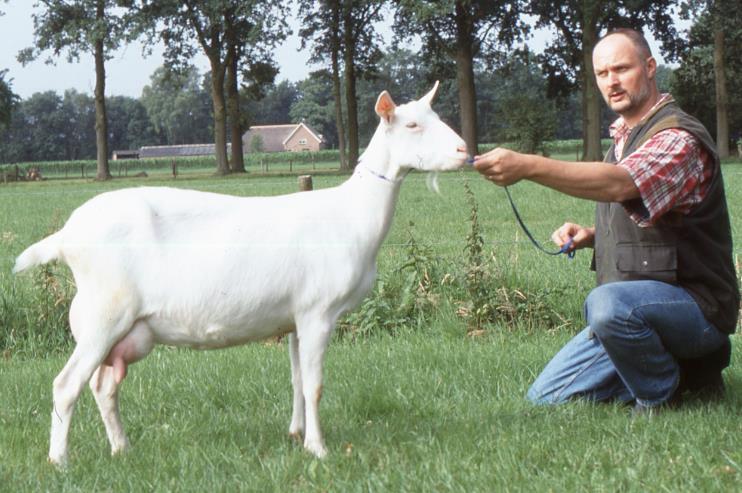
(416, 137)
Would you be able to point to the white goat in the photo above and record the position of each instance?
(188, 268)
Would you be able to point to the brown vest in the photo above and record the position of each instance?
(691, 250)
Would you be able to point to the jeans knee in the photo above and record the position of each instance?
(603, 309)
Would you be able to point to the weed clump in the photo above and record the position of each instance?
(477, 284)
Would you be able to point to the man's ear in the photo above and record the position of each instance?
(385, 106)
(651, 67)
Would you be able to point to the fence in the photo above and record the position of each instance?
(280, 162)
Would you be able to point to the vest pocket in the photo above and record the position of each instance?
(656, 261)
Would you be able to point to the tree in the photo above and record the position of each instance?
(97, 27)
(219, 28)
(521, 85)
(342, 31)
(324, 32)
(272, 105)
(567, 61)
(8, 99)
(461, 31)
(129, 126)
(721, 21)
(251, 34)
(314, 106)
(705, 65)
(256, 143)
(179, 106)
(77, 112)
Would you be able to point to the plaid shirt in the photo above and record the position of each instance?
(672, 171)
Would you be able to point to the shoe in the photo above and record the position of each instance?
(674, 402)
(702, 376)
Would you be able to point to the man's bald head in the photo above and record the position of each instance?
(636, 38)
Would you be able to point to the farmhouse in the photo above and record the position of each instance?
(125, 154)
(281, 138)
(178, 150)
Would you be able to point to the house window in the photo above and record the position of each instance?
(302, 142)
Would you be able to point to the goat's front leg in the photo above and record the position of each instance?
(296, 428)
(313, 339)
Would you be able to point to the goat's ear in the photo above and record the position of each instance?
(385, 106)
(428, 98)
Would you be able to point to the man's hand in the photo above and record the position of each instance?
(581, 237)
(502, 166)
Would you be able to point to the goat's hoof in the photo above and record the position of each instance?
(297, 436)
(58, 462)
(120, 449)
(317, 449)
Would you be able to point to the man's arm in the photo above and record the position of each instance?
(597, 181)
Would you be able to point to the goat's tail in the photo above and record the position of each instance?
(39, 253)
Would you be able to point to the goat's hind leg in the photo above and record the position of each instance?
(96, 329)
(135, 345)
(105, 390)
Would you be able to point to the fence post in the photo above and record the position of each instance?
(305, 183)
(175, 169)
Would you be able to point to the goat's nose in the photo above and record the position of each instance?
(461, 148)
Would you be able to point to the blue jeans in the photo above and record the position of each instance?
(635, 332)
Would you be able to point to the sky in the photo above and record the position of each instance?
(128, 71)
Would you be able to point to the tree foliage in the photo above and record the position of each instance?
(697, 73)
(567, 60)
(178, 105)
(8, 99)
(274, 105)
(47, 127)
(235, 35)
(315, 105)
(76, 27)
(454, 34)
(342, 33)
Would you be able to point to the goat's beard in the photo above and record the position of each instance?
(432, 182)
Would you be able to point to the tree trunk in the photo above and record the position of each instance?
(220, 116)
(720, 83)
(351, 102)
(237, 161)
(465, 79)
(336, 89)
(591, 150)
(101, 120)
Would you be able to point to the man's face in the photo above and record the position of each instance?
(624, 77)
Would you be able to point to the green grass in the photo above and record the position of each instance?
(425, 409)
(440, 412)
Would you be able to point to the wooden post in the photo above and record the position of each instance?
(175, 169)
(305, 183)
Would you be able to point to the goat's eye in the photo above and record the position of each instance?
(412, 125)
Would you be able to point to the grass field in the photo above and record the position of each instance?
(426, 405)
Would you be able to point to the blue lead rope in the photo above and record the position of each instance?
(565, 247)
